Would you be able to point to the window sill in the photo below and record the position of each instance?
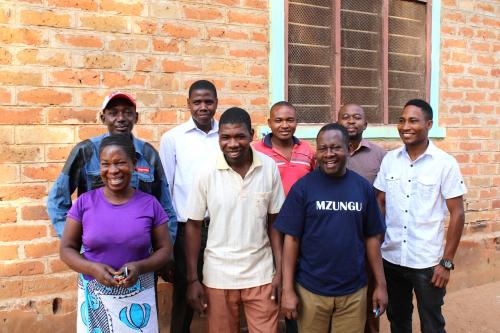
(373, 132)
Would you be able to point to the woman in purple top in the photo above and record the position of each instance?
(116, 227)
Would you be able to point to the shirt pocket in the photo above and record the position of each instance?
(146, 180)
(427, 187)
(394, 192)
(262, 203)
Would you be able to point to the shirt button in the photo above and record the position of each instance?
(409, 180)
(405, 228)
(404, 241)
(407, 196)
(406, 211)
(411, 165)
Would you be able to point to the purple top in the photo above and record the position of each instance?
(117, 234)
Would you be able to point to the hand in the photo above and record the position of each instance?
(104, 274)
(380, 298)
(196, 297)
(167, 272)
(440, 277)
(290, 304)
(276, 288)
(133, 274)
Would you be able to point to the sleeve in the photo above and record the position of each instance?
(197, 198)
(373, 223)
(379, 182)
(59, 197)
(76, 211)
(168, 159)
(277, 193)
(291, 218)
(162, 193)
(313, 158)
(160, 217)
(452, 182)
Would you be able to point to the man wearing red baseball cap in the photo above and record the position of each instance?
(82, 168)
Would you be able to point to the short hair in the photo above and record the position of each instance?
(203, 85)
(280, 104)
(236, 115)
(123, 141)
(335, 127)
(422, 105)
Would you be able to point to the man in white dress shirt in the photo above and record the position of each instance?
(182, 150)
(418, 184)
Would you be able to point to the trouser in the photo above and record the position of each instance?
(334, 314)
(401, 281)
(291, 326)
(182, 313)
(223, 310)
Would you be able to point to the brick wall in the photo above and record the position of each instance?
(59, 58)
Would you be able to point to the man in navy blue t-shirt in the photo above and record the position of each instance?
(331, 219)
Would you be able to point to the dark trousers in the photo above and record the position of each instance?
(401, 281)
(291, 326)
(182, 314)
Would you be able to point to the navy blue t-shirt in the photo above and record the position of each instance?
(332, 216)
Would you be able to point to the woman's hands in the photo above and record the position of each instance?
(106, 275)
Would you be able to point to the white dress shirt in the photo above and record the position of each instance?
(415, 204)
(183, 150)
(238, 253)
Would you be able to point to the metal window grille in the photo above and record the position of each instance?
(370, 52)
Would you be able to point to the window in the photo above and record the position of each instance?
(371, 52)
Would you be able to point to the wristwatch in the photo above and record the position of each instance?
(447, 263)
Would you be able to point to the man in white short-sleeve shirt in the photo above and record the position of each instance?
(242, 192)
(418, 184)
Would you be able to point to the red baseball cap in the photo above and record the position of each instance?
(117, 94)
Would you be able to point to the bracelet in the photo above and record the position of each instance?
(192, 281)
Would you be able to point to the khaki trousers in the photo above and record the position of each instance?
(223, 310)
(322, 314)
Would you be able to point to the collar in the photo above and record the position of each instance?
(431, 150)
(267, 140)
(363, 143)
(191, 126)
(222, 163)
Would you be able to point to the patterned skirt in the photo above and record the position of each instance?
(104, 309)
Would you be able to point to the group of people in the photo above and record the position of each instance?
(329, 237)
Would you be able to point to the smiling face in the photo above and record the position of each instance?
(116, 168)
(331, 153)
(413, 126)
(234, 141)
(352, 117)
(202, 104)
(283, 122)
(120, 116)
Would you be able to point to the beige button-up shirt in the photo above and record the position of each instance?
(238, 253)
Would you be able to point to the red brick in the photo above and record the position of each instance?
(225, 67)
(447, 95)
(454, 17)
(230, 101)
(230, 3)
(145, 64)
(483, 84)
(43, 57)
(10, 192)
(485, 34)
(79, 4)
(18, 78)
(92, 98)
(455, 43)
(491, 22)
(480, 133)
(71, 116)
(481, 47)
(45, 18)
(57, 265)
(478, 71)
(169, 45)
(10, 288)
(462, 83)
(204, 49)
(43, 96)
(55, 284)
(147, 27)
(247, 85)
(9, 173)
(471, 121)
(104, 61)
(22, 268)
(8, 214)
(180, 30)
(163, 117)
(74, 78)
(174, 66)
(129, 7)
(470, 146)
(484, 109)
(247, 17)
(164, 82)
(19, 154)
(249, 53)
(225, 33)
(45, 172)
(21, 36)
(90, 131)
(475, 96)
(129, 45)
(8, 252)
(42, 249)
(257, 4)
(83, 41)
(485, 7)
(173, 101)
(30, 213)
(259, 101)
(481, 158)
(486, 60)
(20, 116)
(466, 32)
(461, 57)
(58, 153)
(259, 37)
(202, 13)
(9, 233)
(120, 80)
(453, 69)
(104, 23)
(5, 15)
(5, 96)
(5, 57)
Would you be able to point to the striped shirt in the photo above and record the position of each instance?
(300, 164)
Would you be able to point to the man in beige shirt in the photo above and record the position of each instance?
(243, 194)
